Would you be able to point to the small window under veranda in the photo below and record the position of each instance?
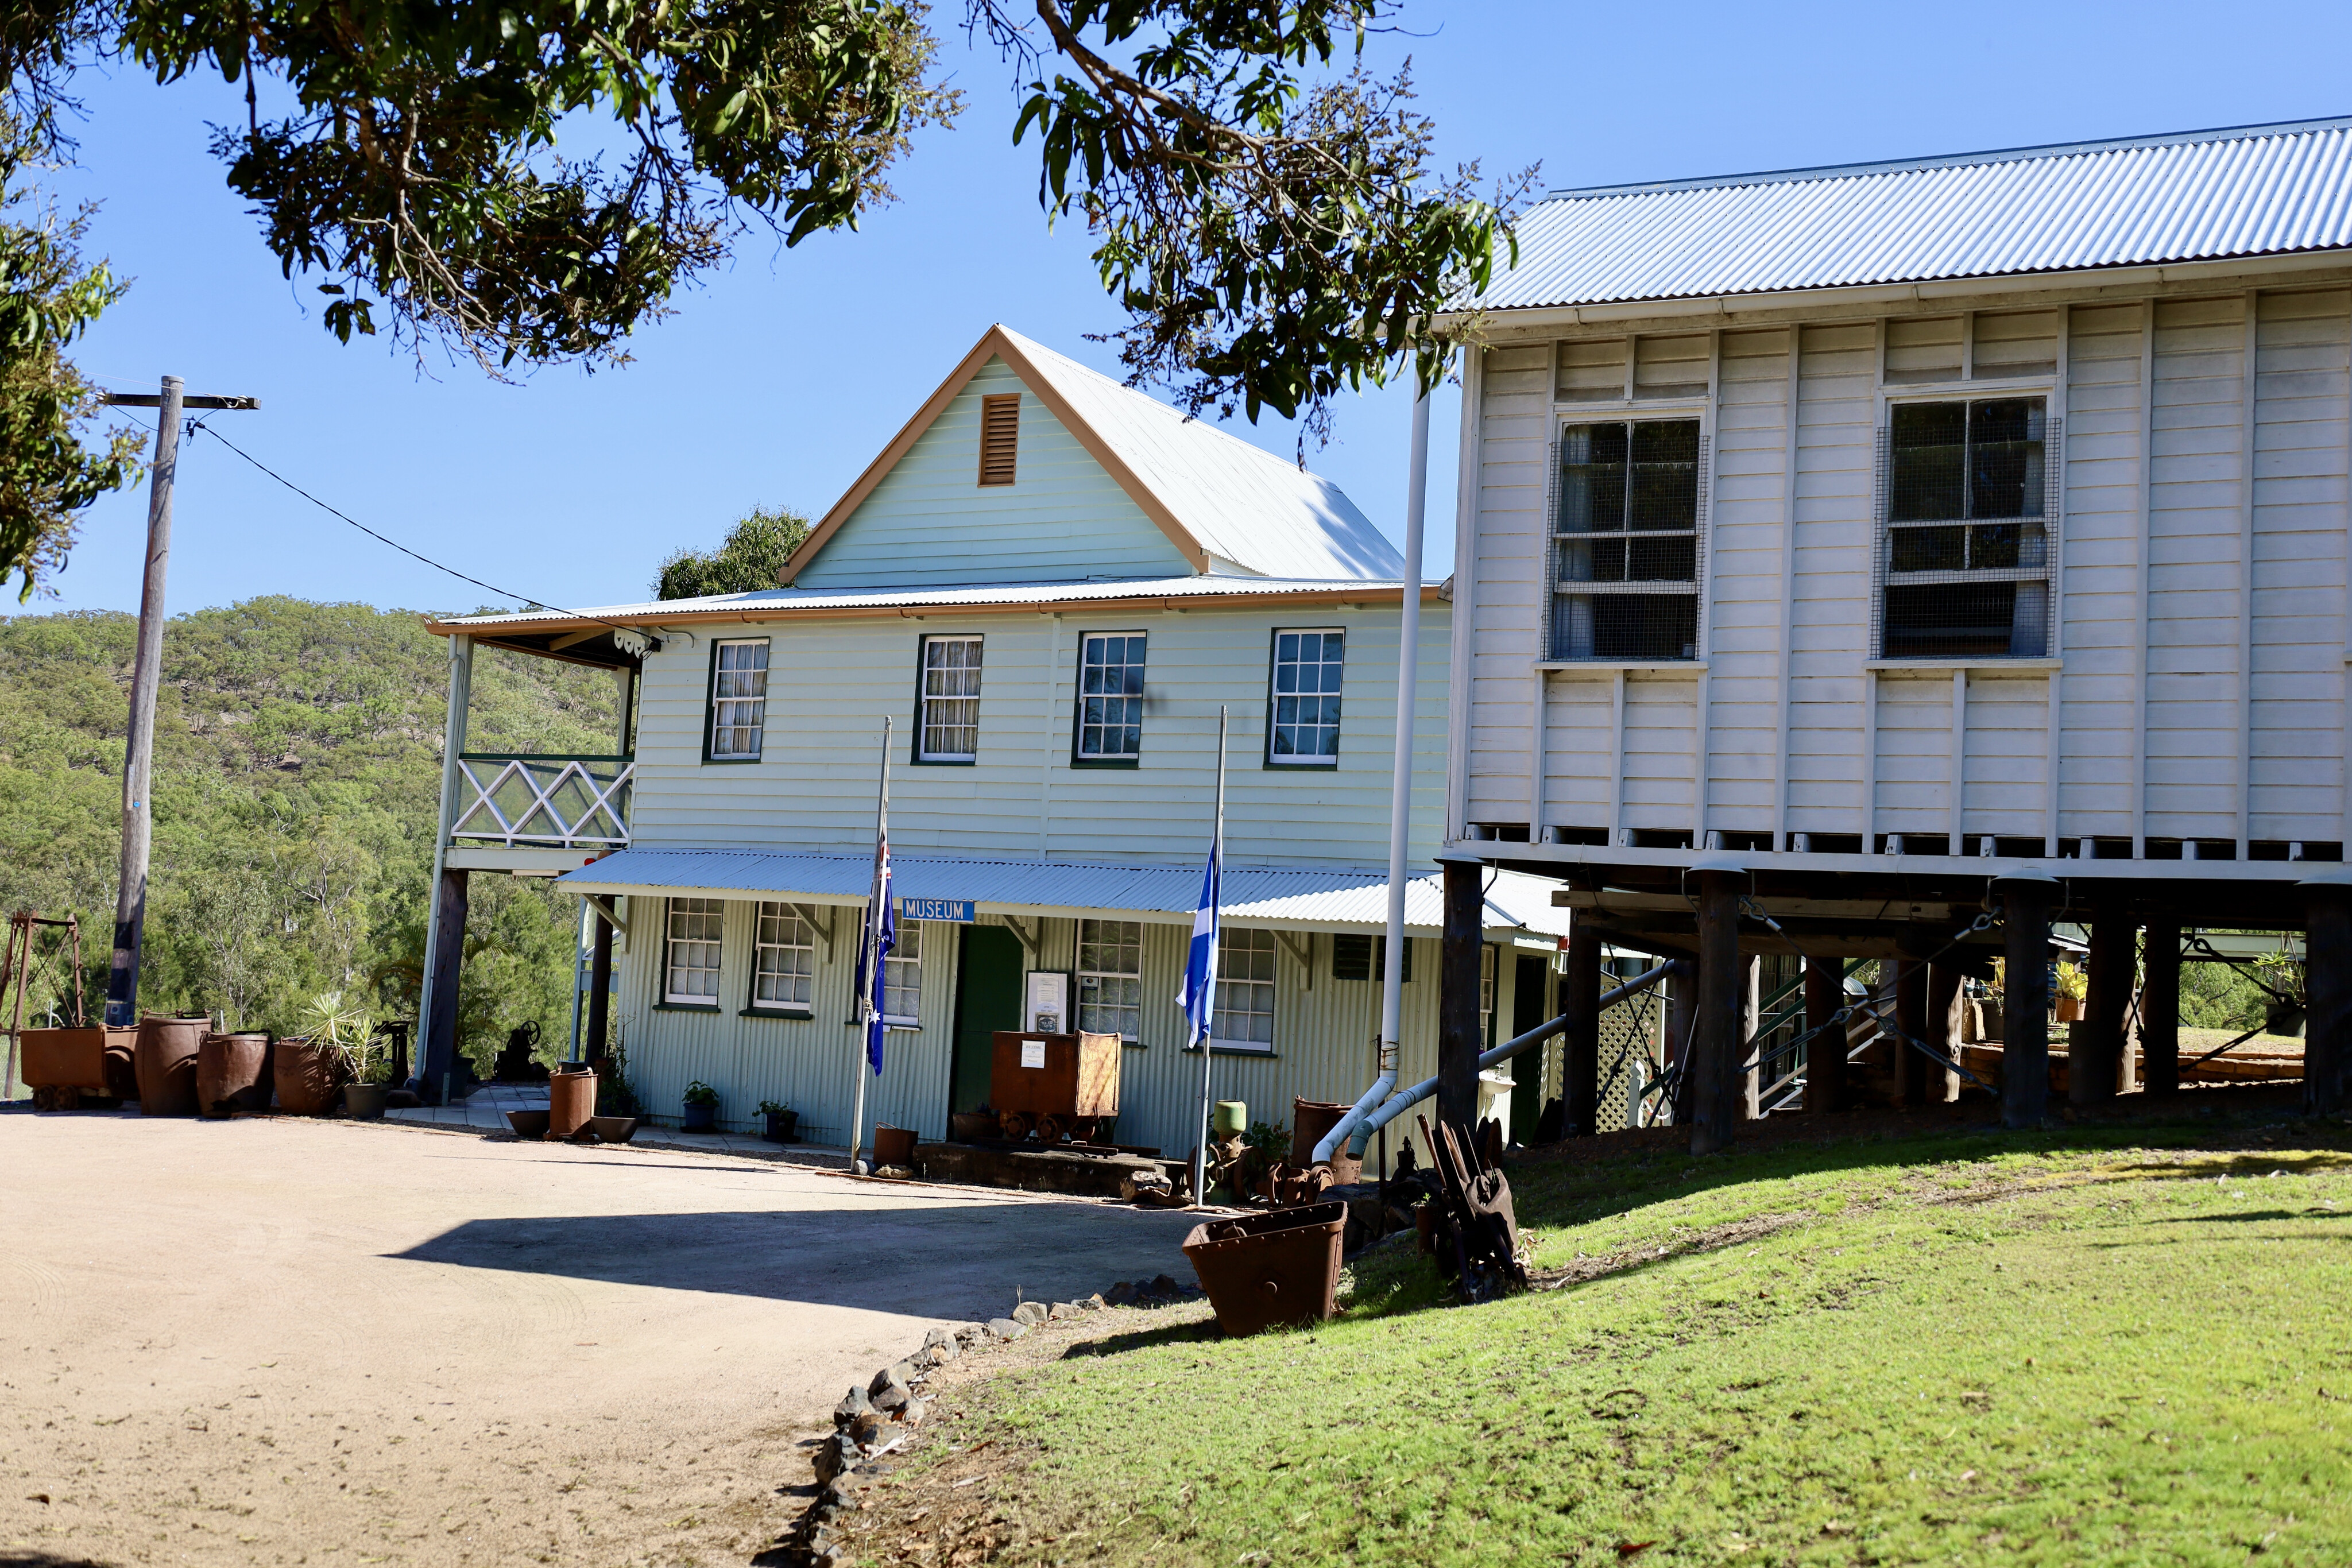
(1625, 541)
(1965, 559)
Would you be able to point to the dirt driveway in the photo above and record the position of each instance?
(296, 1342)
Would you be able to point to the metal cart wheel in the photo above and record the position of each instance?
(1015, 1124)
(1053, 1127)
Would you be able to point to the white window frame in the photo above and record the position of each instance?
(739, 703)
(1127, 937)
(1274, 695)
(709, 908)
(966, 676)
(1078, 753)
(1487, 956)
(1261, 943)
(2053, 459)
(797, 948)
(902, 973)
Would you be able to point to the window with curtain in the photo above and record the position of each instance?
(902, 977)
(739, 699)
(1110, 976)
(949, 727)
(696, 927)
(1244, 1012)
(783, 969)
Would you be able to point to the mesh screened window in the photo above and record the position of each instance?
(1966, 562)
(1625, 541)
(1111, 698)
(1245, 1013)
(951, 727)
(739, 699)
(784, 956)
(1110, 976)
(1303, 727)
(1359, 958)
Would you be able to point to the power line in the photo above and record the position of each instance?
(428, 560)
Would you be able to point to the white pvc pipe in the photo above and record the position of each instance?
(1399, 785)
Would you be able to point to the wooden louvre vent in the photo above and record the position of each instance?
(1000, 438)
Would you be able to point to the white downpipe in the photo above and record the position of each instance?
(1399, 786)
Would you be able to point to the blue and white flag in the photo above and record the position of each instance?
(879, 934)
(1198, 994)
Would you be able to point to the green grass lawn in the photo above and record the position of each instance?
(2113, 1346)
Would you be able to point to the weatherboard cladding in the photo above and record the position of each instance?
(2183, 468)
(2256, 191)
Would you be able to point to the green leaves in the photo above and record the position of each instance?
(48, 298)
(751, 558)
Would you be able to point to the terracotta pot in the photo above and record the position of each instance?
(365, 1101)
(64, 1058)
(122, 1060)
(531, 1125)
(894, 1146)
(232, 1073)
(309, 1076)
(167, 1064)
(614, 1129)
(570, 1104)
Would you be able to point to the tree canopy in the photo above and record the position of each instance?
(750, 558)
(1269, 219)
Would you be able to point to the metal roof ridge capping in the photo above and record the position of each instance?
(2197, 196)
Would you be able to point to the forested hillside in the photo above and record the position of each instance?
(297, 752)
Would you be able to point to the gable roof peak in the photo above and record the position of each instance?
(1228, 506)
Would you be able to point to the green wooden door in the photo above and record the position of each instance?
(988, 998)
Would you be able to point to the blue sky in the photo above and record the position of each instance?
(777, 381)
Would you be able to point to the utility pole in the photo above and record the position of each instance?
(146, 671)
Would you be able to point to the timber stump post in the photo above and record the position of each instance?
(2160, 1010)
(1943, 1029)
(436, 1054)
(1825, 1052)
(1715, 1036)
(1911, 1019)
(600, 980)
(1457, 1010)
(2328, 970)
(2095, 1059)
(1581, 999)
(2025, 900)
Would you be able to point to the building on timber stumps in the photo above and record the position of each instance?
(1845, 554)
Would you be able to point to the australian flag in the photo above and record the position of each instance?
(1197, 996)
(880, 935)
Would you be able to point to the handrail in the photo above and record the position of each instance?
(547, 757)
(521, 803)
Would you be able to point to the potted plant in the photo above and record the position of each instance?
(347, 1029)
(783, 1121)
(311, 1069)
(701, 1108)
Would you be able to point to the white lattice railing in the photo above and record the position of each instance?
(567, 802)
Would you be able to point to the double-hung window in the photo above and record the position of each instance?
(1111, 698)
(1302, 721)
(783, 967)
(1110, 976)
(902, 978)
(1625, 541)
(1964, 560)
(739, 699)
(1244, 1012)
(690, 959)
(947, 729)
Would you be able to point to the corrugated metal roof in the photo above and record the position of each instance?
(1261, 512)
(786, 602)
(1317, 899)
(2261, 190)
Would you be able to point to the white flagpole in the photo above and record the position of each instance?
(872, 966)
(1217, 850)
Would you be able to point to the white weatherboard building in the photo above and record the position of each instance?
(1050, 583)
(1863, 540)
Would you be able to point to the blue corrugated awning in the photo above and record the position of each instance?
(1336, 899)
